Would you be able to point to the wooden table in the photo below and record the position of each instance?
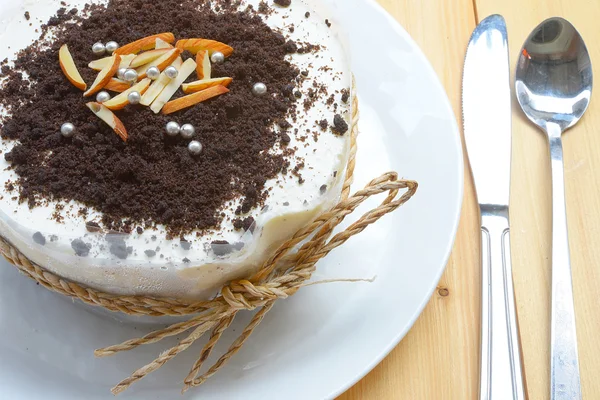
(438, 359)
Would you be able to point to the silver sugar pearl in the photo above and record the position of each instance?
(121, 72)
(217, 57)
(188, 131)
(67, 129)
(111, 46)
(153, 73)
(171, 72)
(195, 147)
(130, 75)
(173, 128)
(259, 89)
(102, 96)
(134, 98)
(98, 49)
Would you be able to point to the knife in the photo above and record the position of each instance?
(487, 126)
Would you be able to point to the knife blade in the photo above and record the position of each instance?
(486, 102)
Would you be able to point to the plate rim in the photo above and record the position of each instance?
(457, 214)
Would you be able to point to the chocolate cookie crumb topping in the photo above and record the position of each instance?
(27, 15)
(151, 177)
(283, 3)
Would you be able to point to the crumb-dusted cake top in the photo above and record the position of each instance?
(151, 178)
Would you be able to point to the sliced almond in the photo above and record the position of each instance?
(120, 101)
(146, 43)
(111, 119)
(188, 67)
(161, 62)
(147, 57)
(69, 68)
(193, 99)
(161, 44)
(197, 86)
(104, 76)
(117, 85)
(203, 69)
(100, 63)
(195, 45)
(158, 85)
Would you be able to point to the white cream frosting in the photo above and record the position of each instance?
(196, 272)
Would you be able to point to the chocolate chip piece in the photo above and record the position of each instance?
(345, 95)
(307, 14)
(27, 15)
(339, 125)
(39, 238)
(328, 23)
(249, 224)
(119, 248)
(323, 189)
(284, 124)
(81, 248)
(221, 247)
(92, 226)
(290, 47)
(288, 90)
(150, 253)
(283, 3)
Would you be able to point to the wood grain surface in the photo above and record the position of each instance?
(438, 359)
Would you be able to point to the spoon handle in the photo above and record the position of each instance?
(501, 376)
(564, 364)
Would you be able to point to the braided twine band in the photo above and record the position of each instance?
(281, 276)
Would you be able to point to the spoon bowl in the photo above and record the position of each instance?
(554, 75)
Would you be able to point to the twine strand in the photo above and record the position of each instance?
(236, 346)
(207, 349)
(163, 358)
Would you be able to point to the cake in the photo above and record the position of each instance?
(178, 181)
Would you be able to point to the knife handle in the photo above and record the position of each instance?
(501, 376)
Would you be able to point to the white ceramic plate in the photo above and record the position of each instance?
(320, 342)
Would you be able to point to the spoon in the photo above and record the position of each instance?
(554, 86)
